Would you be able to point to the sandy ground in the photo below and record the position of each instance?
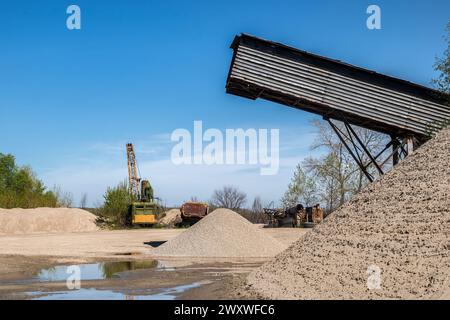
(22, 256)
(97, 244)
(105, 244)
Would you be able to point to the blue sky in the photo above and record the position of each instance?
(136, 71)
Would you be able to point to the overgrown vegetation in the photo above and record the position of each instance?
(115, 209)
(20, 188)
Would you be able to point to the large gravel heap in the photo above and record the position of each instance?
(399, 224)
(222, 233)
(46, 220)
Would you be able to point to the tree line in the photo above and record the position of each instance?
(20, 188)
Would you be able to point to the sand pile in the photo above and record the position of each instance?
(222, 233)
(170, 218)
(398, 228)
(46, 220)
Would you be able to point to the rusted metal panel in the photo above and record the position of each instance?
(272, 71)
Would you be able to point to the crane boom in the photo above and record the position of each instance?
(133, 176)
(143, 208)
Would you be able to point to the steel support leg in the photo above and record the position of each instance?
(354, 153)
(401, 147)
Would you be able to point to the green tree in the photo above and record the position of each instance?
(7, 170)
(20, 188)
(115, 208)
(442, 66)
(295, 188)
(303, 188)
(442, 82)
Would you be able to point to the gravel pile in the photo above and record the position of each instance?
(222, 233)
(170, 218)
(393, 237)
(46, 220)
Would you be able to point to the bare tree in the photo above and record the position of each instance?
(333, 178)
(257, 211)
(341, 166)
(228, 197)
(257, 205)
(64, 199)
(375, 142)
(83, 201)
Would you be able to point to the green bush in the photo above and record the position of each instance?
(19, 187)
(115, 208)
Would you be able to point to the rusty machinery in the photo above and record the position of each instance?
(192, 212)
(297, 216)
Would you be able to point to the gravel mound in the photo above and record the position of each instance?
(393, 237)
(46, 220)
(222, 233)
(171, 218)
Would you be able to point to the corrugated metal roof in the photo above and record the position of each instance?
(268, 70)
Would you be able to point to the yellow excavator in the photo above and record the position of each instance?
(144, 207)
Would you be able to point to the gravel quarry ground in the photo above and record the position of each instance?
(391, 241)
(22, 256)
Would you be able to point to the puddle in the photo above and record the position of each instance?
(99, 271)
(95, 294)
(107, 270)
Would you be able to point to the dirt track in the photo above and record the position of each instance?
(104, 244)
(97, 244)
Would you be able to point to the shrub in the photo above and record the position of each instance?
(115, 209)
(20, 188)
